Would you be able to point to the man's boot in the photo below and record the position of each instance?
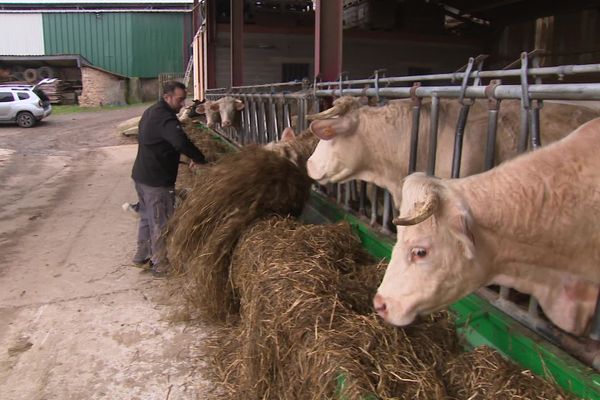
(143, 253)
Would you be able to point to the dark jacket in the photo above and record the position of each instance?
(161, 141)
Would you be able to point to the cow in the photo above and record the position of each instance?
(225, 111)
(372, 143)
(531, 217)
(296, 148)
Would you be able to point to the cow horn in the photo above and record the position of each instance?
(329, 113)
(421, 214)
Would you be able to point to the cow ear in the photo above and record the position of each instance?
(460, 224)
(239, 105)
(288, 135)
(327, 129)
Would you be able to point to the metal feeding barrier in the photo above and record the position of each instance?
(272, 107)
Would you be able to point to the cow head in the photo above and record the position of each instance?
(296, 148)
(433, 261)
(229, 109)
(338, 155)
(211, 109)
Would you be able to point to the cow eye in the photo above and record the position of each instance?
(417, 253)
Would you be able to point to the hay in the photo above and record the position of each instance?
(228, 197)
(484, 374)
(306, 320)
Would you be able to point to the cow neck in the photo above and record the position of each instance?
(387, 138)
(525, 211)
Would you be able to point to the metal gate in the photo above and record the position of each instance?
(270, 108)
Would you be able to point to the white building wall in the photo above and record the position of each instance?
(21, 34)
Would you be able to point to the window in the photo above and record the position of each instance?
(6, 97)
(293, 72)
(23, 96)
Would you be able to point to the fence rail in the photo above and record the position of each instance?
(272, 107)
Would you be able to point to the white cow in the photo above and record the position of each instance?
(513, 225)
(372, 144)
(225, 111)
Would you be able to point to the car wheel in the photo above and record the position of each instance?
(25, 119)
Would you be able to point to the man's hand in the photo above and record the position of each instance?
(196, 167)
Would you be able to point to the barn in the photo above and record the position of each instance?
(397, 199)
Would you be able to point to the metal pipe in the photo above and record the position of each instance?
(374, 206)
(361, 198)
(287, 120)
(347, 196)
(435, 113)
(94, 11)
(263, 122)
(458, 140)
(560, 91)
(524, 132)
(595, 330)
(490, 146)
(534, 121)
(561, 70)
(274, 130)
(414, 136)
(532, 308)
(387, 206)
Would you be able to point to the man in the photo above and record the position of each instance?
(161, 141)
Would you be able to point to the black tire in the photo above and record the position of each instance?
(31, 75)
(25, 119)
(45, 72)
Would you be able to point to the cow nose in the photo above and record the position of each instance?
(226, 123)
(380, 306)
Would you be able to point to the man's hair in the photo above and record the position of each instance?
(170, 86)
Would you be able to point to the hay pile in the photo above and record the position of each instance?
(228, 197)
(306, 320)
(212, 149)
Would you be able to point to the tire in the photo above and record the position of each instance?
(45, 72)
(25, 119)
(31, 75)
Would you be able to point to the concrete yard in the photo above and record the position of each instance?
(77, 321)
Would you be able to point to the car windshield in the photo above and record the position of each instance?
(41, 94)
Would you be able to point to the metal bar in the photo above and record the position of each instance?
(490, 146)
(458, 140)
(524, 132)
(287, 120)
(504, 292)
(414, 133)
(534, 121)
(562, 91)
(532, 308)
(435, 113)
(256, 132)
(374, 205)
(273, 109)
(338, 196)
(263, 122)
(347, 196)
(361, 198)
(387, 207)
(595, 330)
(562, 70)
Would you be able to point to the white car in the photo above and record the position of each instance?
(23, 104)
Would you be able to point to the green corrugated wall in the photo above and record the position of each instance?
(131, 44)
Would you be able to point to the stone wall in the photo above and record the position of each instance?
(101, 88)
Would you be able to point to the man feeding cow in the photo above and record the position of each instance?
(372, 144)
(534, 215)
(161, 141)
